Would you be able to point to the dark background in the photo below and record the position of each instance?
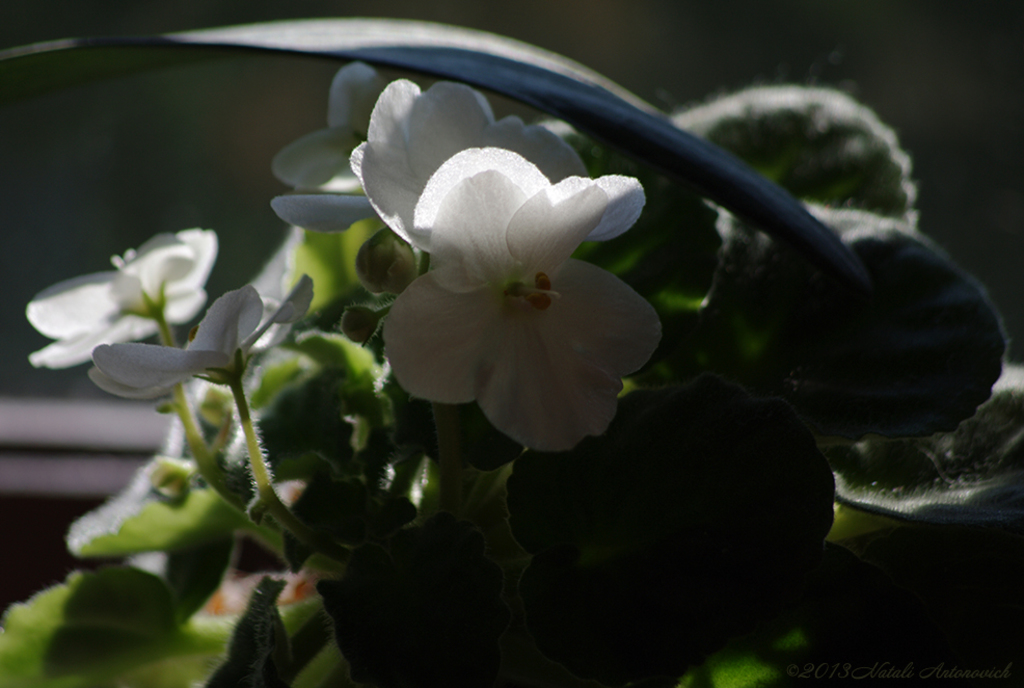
(95, 170)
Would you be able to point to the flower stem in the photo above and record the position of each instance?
(267, 497)
(206, 459)
(449, 446)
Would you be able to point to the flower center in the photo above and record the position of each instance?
(538, 296)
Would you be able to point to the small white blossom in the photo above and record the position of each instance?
(231, 327)
(320, 160)
(505, 316)
(168, 272)
(410, 134)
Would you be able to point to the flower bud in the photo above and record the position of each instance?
(385, 263)
(170, 477)
(359, 323)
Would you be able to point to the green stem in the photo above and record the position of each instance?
(267, 496)
(206, 459)
(449, 446)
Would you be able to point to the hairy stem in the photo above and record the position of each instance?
(449, 444)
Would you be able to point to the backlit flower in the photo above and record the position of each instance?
(167, 272)
(230, 329)
(505, 316)
(410, 134)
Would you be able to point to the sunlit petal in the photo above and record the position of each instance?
(322, 212)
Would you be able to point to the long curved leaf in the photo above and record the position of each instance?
(538, 78)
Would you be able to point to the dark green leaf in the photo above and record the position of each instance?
(917, 357)
(973, 476)
(259, 637)
(193, 575)
(969, 581)
(817, 143)
(852, 626)
(426, 613)
(695, 517)
(545, 81)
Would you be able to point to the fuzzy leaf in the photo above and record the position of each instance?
(257, 638)
(693, 518)
(426, 613)
(817, 143)
(917, 357)
(973, 476)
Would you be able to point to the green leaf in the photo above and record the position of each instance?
(973, 476)
(693, 518)
(850, 626)
(916, 358)
(969, 581)
(142, 520)
(426, 612)
(817, 143)
(93, 628)
(669, 256)
(193, 575)
(259, 637)
(330, 259)
(548, 82)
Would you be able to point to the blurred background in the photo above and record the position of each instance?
(95, 170)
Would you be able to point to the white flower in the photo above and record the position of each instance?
(410, 135)
(320, 160)
(169, 271)
(505, 316)
(230, 328)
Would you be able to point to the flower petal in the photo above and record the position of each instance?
(436, 340)
(151, 366)
(74, 307)
(292, 309)
(625, 202)
(549, 226)
(541, 146)
(71, 351)
(468, 238)
(322, 212)
(314, 159)
(411, 135)
(229, 320)
(354, 92)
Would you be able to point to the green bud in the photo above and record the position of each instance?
(359, 323)
(385, 263)
(170, 477)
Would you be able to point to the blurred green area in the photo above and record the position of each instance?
(90, 172)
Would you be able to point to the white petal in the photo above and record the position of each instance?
(162, 259)
(146, 366)
(545, 149)
(108, 384)
(78, 349)
(625, 202)
(314, 159)
(411, 135)
(468, 241)
(74, 307)
(231, 318)
(292, 309)
(468, 163)
(436, 340)
(322, 212)
(549, 226)
(354, 91)
(203, 243)
(557, 375)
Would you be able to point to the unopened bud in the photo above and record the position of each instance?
(385, 263)
(170, 477)
(359, 323)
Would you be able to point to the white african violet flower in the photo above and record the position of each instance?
(505, 317)
(320, 159)
(105, 307)
(410, 135)
(231, 327)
